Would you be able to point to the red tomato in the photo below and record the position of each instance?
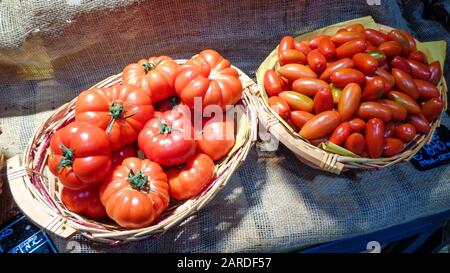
(297, 101)
(390, 48)
(80, 155)
(303, 47)
(349, 101)
(370, 109)
(374, 137)
(420, 122)
(404, 100)
(323, 100)
(357, 125)
(432, 108)
(343, 76)
(217, 137)
(401, 63)
(405, 132)
(317, 141)
(84, 202)
(343, 37)
(389, 129)
(343, 63)
(156, 76)
(189, 181)
(399, 112)
(374, 89)
(365, 63)
(296, 71)
(427, 90)
(374, 36)
(316, 61)
(136, 193)
(314, 42)
(419, 70)
(396, 35)
(291, 56)
(405, 83)
(355, 143)
(169, 139)
(123, 153)
(320, 125)
(273, 83)
(286, 43)
(411, 41)
(354, 27)
(350, 48)
(392, 146)
(167, 104)
(280, 106)
(299, 118)
(120, 110)
(210, 77)
(327, 48)
(419, 56)
(389, 81)
(341, 133)
(378, 55)
(435, 72)
(309, 86)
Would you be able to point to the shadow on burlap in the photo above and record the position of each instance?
(272, 203)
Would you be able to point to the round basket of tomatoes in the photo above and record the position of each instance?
(356, 98)
(140, 151)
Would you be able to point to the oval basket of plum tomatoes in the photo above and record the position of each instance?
(140, 151)
(352, 96)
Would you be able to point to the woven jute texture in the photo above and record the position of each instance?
(52, 50)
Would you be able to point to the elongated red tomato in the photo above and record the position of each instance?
(299, 118)
(350, 48)
(343, 37)
(353, 27)
(297, 101)
(374, 36)
(370, 109)
(389, 80)
(341, 133)
(286, 43)
(435, 72)
(401, 63)
(398, 112)
(357, 125)
(392, 146)
(426, 89)
(168, 139)
(389, 129)
(280, 106)
(365, 63)
(291, 56)
(404, 100)
(189, 181)
(303, 47)
(84, 202)
(327, 48)
(378, 55)
(273, 83)
(217, 137)
(316, 61)
(135, 193)
(80, 155)
(419, 56)
(374, 89)
(390, 48)
(355, 143)
(209, 78)
(343, 76)
(419, 70)
(432, 108)
(308, 86)
(405, 132)
(404, 83)
(323, 100)
(420, 122)
(349, 101)
(374, 136)
(120, 110)
(396, 35)
(314, 42)
(156, 76)
(122, 154)
(296, 71)
(343, 63)
(320, 125)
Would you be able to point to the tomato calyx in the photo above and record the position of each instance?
(116, 111)
(68, 157)
(149, 66)
(138, 181)
(164, 128)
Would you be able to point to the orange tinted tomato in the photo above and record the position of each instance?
(398, 112)
(349, 101)
(296, 71)
(357, 125)
(343, 63)
(432, 108)
(84, 202)
(343, 76)
(404, 100)
(343, 37)
(299, 118)
(314, 42)
(291, 56)
(390, 48)
(350, 48)
(327, 48)
(302, 46)
(273, 83)
(355, 143)
(370, 109)
(323, 100)
(297, 101)
(308, 86)
(341, 133)
(374, 89)
(392, 146)
(365, 63)
(316, 61)
(320, 125)
(286, 43)
(374, 36)
(280, 106)
(217, 137)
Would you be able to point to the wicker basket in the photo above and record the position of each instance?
(317, 157)
(37, 192)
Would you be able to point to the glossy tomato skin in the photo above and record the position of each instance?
(401, 63)
(354, 27)
(299, 118)
(342, 63)
(314, 42)
(343, 76)
(336, 92)
(323, 100)
(406, 132)
(419, 70)
(392, 146)
(378, 55)
(426, 89)
(316, 61)
(404, 83)
(84, 202)
(122, 154)
(399, 112)
(365, 63)
(374, 89)
(291, 56)
(273, 83)
(327, 48)
(350, 48)
(297, 101)
(396, 35)
(389, 81)
(156, 76)
(357, 125)
(390, 48)
(435, 72)
(432, 108)
(308, 86)
(404, 100)
(341, 133)
(80, 155)
(303, 47)
(349, 101)
(135, 193)
(169, 139)
(343, 37)
(355, 143)
(280, 105)
(317, 141)
(217, 137)
(370, 109)
(286, 43)
(374, 36)
(389, 129)
(374, 136)
(209, 77)
(296, 71)
(189, 181)
(321, 125)
(410, 39)
(419, 56)
(420, 122)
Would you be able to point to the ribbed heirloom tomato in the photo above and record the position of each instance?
(217, 137)
(125, 152)
(168, 139)
(80, 155)
(155, 75)
(120, 110)
(210, 77)
(135, 193)
(84, 202)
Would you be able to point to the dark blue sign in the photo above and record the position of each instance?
(19, 235)
(436, 153)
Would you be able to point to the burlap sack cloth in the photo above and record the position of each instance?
(273, 202)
